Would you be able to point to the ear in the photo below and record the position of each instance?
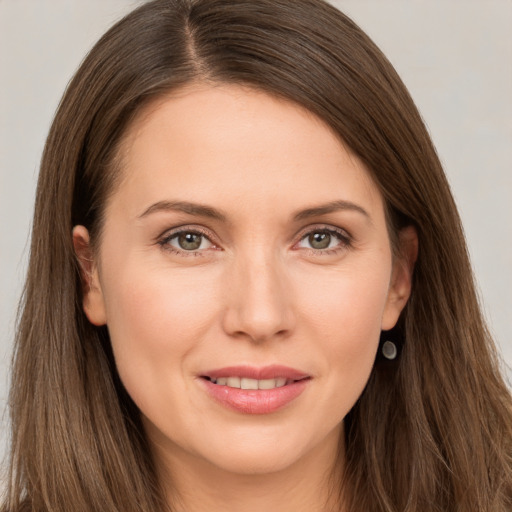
(401, 277)
(93, 302)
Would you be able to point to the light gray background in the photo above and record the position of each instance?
(454, 55)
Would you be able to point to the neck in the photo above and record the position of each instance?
(311, 484)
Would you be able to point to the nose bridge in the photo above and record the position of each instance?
(259, 306)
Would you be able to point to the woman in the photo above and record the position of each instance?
(248, 286)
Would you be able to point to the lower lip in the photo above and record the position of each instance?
(255, 401)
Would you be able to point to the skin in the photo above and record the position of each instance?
(258, 291)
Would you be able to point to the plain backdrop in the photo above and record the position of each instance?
(455, 56)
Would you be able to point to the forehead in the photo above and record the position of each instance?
(210, 142)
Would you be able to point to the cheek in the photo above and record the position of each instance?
(158, 304)
(344, 313)
(154, 322)
(349, 300)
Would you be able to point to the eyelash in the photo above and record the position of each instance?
(344, 238)
(164, 242)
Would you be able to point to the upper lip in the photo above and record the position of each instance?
(259, 373)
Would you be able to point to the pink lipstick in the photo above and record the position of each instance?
(253, 390)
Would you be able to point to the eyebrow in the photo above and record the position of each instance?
(331, 207)
(212, 213)
(185, 207)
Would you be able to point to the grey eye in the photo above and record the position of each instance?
(322, 239)
(319, 240)
(189, 241)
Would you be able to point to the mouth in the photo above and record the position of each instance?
(248, 383)
(250, 390)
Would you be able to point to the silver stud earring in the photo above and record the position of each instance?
(389, 350)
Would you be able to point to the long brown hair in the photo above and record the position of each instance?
(431, 432)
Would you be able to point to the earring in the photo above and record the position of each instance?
(389, 350)
(390, 344)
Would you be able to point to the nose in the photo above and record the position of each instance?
(259, 300)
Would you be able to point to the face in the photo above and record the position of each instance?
(245, 247)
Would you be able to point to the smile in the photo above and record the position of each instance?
(251, 390)
(246, 383)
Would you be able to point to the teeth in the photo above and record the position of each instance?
(267, 384)
(233, 382)
(280, 382)
(245, 383)
(248, 383)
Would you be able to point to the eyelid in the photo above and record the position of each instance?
(169, 234)
(345, 237)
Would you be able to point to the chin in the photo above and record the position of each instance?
(255, 462)
(246, 454)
